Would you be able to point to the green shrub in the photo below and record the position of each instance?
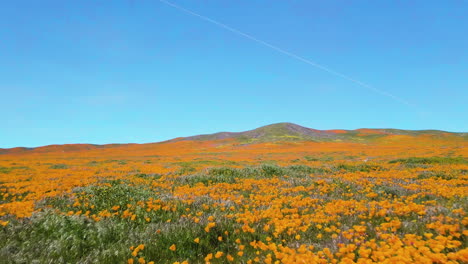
(59, 166)
(431, 160)
(364, 167)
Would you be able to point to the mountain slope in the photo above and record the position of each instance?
(293, 132)
(280, 132)
(58, 148)
(273, 132)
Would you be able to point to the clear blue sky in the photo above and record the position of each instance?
(142, 71)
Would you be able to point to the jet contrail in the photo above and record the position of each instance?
(290, 54)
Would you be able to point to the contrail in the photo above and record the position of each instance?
(290, 54)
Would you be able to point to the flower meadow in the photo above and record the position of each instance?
(400, 199)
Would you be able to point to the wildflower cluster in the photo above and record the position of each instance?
(220, 202)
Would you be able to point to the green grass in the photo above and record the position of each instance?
(7, 170)
(414, 161)
(52, 236)
(59, 166)
(362, 167)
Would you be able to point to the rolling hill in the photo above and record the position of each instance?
(280, 132)
(294, 132)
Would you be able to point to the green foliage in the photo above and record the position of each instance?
(59, 166)
(10, 169)
(182, 234)
(213, 176)
(232, 175)
(320, 158)
(112, 193)
(48, 237)
(93, 163)
(185, 169)
(301, 169)
(5, 170)
(270, 170)
(153, 176)
(363, 167)
(51, 238)
(439, 175)
(430, 160)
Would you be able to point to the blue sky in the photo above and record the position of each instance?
(143, 71)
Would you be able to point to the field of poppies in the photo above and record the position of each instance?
(397, 200)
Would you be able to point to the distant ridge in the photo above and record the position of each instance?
(57, 148)
(270, 133)
(293, 132)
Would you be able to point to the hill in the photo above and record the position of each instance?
(294, 132)
(58, 148)
(280, 132)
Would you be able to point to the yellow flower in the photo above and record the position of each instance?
(219, 254)
(208, 257)
(209, 226)
(197, 240)
(173, 247)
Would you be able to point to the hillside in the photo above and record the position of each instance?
(280, 132)
(294, 132)
(58, 148)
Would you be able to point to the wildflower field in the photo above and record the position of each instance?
(398, 199)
